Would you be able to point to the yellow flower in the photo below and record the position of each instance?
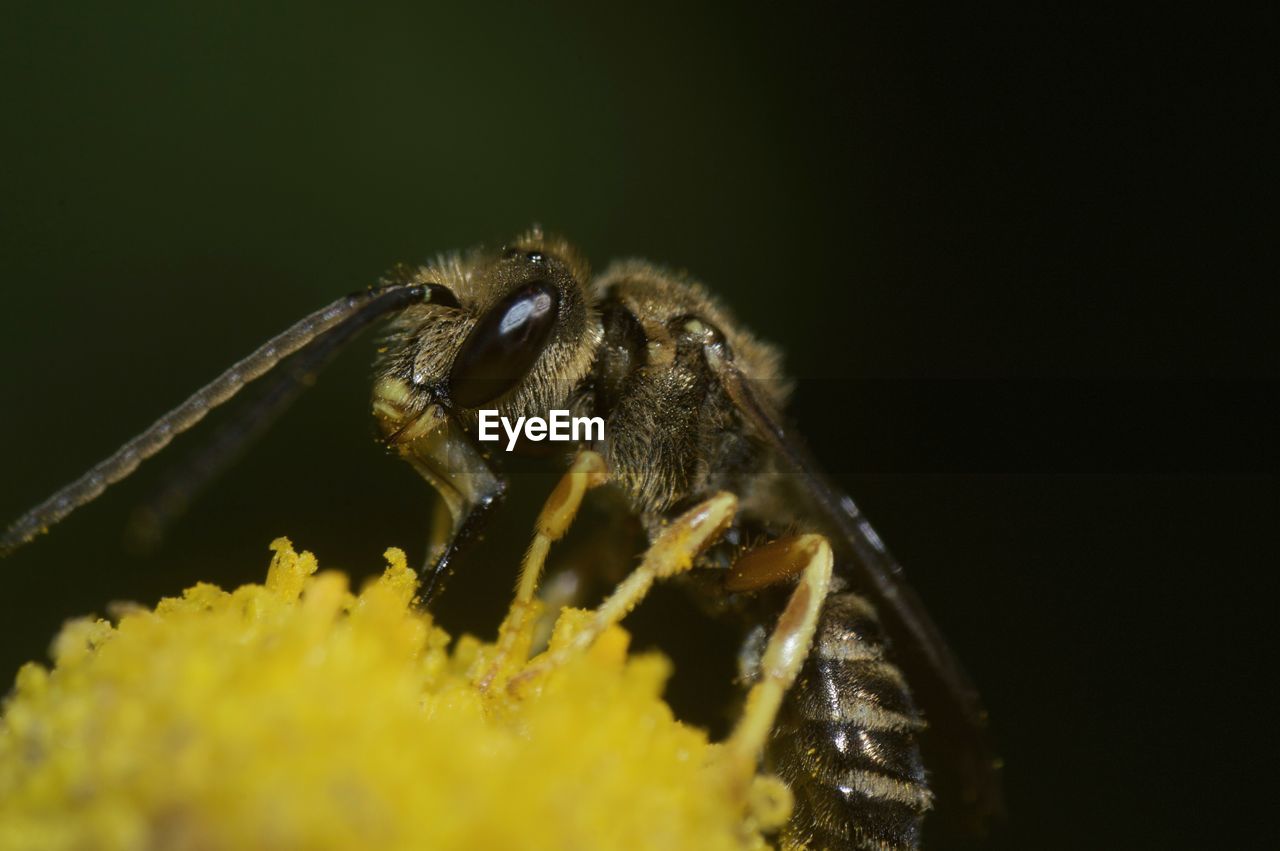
(296, 715)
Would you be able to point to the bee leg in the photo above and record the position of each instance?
(606, 551)
(788, 646)
(515, 636)
(672, 553)
(588, 471)
(441, 452)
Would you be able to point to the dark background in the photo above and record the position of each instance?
(1009, 256)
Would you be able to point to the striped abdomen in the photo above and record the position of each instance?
(845, 740)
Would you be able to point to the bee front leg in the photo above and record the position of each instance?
(445, 456)
(810, 556)
(515, 636)
(603, 554)
(672, 553)
(587, 471)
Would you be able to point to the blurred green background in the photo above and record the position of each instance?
(890, 195)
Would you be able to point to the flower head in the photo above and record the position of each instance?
(296, 714)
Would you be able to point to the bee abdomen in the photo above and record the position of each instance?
(846, 739)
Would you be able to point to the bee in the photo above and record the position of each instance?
(856, 700)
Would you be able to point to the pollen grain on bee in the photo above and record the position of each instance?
(558, 425)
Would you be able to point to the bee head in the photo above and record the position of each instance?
(511, 329)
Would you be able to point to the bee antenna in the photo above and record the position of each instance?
(185, 480)
(350, 314)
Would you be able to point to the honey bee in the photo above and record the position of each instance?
(856, 700)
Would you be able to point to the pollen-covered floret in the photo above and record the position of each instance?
(297, 715)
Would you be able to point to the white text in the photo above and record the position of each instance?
(557, 426)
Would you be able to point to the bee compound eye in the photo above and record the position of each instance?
(504, 345)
